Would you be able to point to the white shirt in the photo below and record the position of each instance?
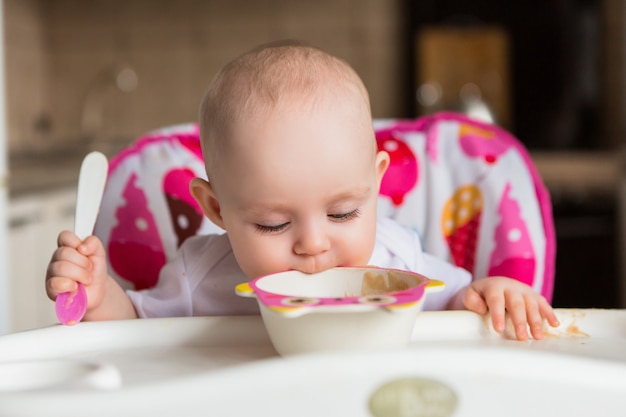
(201, 279)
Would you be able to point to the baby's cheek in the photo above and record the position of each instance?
(358, 251)
(360, 260)
(259, 260)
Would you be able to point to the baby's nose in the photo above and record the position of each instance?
(311, 240)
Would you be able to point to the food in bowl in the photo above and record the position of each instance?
(339, 309)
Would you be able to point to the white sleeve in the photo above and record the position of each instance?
(455, 278)
(400, 247)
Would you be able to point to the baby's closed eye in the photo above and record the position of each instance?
(342, 217)
(271, 229)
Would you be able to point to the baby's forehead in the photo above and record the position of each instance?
(272, 149)
(252, 95)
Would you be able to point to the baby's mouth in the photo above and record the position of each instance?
(316, 268)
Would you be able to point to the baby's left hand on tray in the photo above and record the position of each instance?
(499, 295)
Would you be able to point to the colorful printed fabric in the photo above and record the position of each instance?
(472, 192)
(147, 210)
(470, 189)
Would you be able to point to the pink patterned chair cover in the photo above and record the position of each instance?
(147, 210)
(472, 192)
(470, 189)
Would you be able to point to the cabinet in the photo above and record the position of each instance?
(547, 74)
(34, 223)
(588, 253)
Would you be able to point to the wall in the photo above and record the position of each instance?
(4, 250)
(59, 51)
(25, 70)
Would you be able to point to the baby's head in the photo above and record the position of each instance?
(291, 158)
(270, 79)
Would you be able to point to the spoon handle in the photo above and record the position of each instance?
(91, 181)
(71, 307)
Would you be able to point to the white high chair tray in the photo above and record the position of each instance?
(226, 366)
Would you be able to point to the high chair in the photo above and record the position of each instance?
(472, 192)
(468, 188)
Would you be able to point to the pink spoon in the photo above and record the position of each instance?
(71, 306)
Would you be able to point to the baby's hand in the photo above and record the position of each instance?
(77, 261)
(526, 308)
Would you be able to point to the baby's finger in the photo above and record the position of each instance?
(517, 310)
(67, 238)
(68, 255)
(58, 285)
(497, 310)
(534, 318)
(474, 302)
(70, 270)
(547, 312)
(92, 246)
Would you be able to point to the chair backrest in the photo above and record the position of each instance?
(147, 210)
(473, 193)
(470, 189)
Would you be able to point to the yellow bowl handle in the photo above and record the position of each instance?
(434, 285)
(244, 290)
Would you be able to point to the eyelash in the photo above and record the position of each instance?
(343, 217)
(270, 229)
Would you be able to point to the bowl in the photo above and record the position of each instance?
(343, 308)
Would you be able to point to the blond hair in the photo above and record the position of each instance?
(267, 79)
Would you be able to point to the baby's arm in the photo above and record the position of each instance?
(75, 261)
(498, 295)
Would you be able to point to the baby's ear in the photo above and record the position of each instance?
(202, 191)
(382, 163)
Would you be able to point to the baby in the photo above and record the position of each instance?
(293, 178)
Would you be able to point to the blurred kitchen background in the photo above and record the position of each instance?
(83, 75)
